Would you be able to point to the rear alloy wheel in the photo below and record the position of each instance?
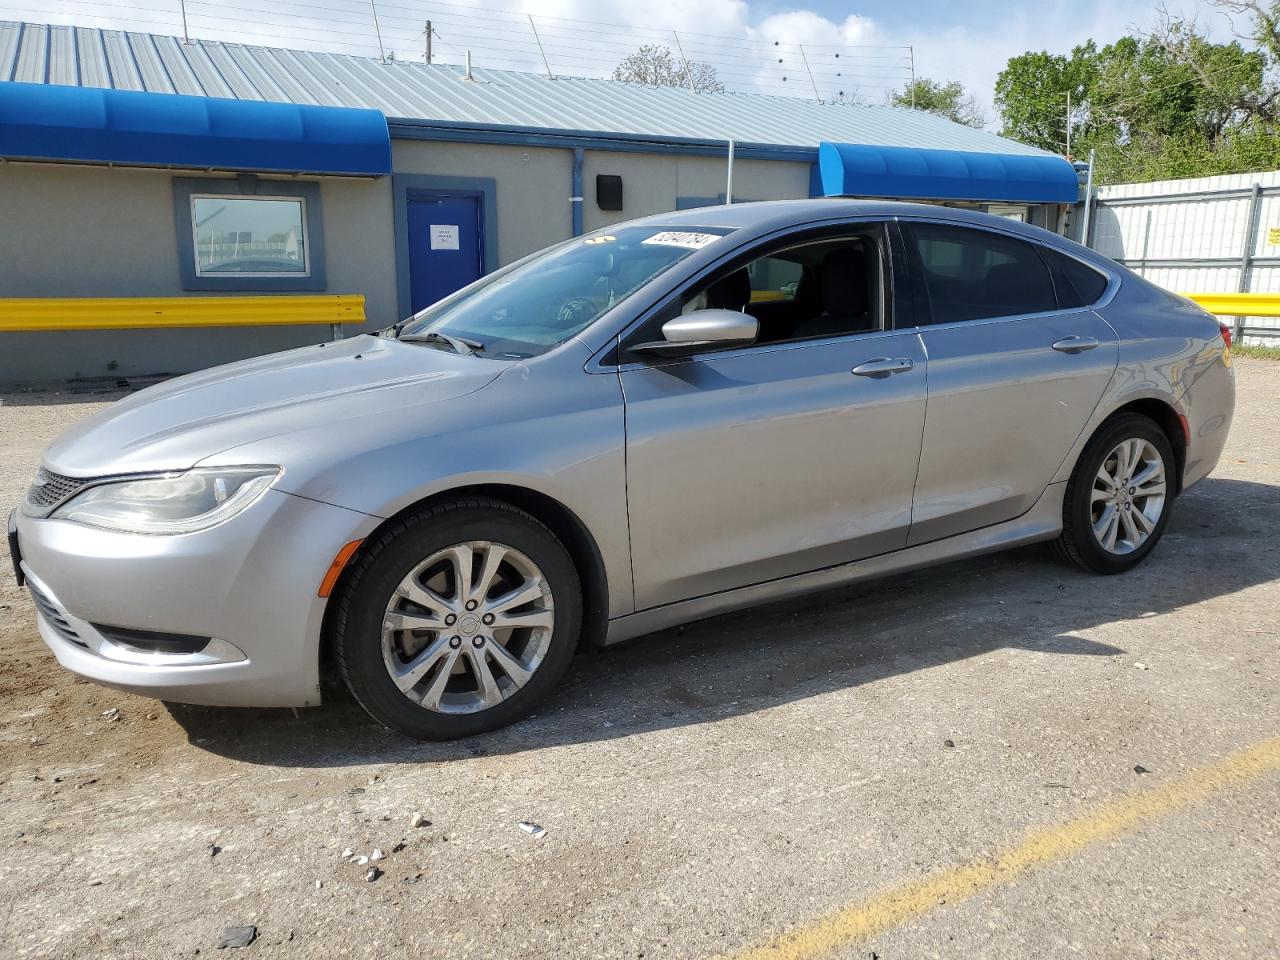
(1119, 497)
(458, 619)
(1128, 497)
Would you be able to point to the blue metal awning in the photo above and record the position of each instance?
(90, 125)
(860, 170)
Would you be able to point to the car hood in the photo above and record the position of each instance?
(174, 425)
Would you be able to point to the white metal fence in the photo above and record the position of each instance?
(1205, 235)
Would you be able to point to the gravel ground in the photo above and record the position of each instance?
(703, 789)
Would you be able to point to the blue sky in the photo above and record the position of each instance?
(972, 41)
(966, 41)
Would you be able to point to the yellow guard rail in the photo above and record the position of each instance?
(134, 313)
(1238, 304)
(140, 313)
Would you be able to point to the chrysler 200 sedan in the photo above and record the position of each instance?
(656, 422)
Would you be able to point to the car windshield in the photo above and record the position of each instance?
(544, 300)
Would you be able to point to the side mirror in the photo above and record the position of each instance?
(700, 331)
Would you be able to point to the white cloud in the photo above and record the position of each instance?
(805, 26)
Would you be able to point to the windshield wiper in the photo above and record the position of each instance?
(460, 344)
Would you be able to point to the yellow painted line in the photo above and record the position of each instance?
(1238, 304)
(122, 313)
(1042, 846)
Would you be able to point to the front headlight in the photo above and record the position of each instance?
(178, 503)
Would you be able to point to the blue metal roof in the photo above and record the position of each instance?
(440, 93)
(88, 125)
(862, 170)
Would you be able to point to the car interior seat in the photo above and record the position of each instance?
(732, 292)
(842, 284)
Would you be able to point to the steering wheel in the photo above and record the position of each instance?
(575, 310)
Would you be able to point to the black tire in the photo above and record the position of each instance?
(391, 555)
(1078, 546)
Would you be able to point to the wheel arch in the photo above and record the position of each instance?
(559, 519)
(1170, 422)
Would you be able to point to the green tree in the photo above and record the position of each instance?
(655, 65)
(1265, 22)
(1176, 84)
(946, 99)
(1166, 103)
(1031, 95)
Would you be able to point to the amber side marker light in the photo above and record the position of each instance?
(336, 568)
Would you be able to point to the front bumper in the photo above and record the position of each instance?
(248, 584)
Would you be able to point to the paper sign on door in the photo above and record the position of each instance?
(444, 236)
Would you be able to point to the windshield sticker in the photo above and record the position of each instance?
(676, 238)
(601, 239)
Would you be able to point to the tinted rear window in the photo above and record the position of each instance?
(976, 275)
(1078, 285)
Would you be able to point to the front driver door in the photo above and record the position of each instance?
(762, 462)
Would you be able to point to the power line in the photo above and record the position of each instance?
(510, 39)
(1168, 86)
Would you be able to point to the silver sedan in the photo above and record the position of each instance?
(653, 423)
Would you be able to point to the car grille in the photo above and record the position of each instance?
(50, 489)
(54, 616)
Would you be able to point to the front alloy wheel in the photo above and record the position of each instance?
(468, 627)
(457, 619)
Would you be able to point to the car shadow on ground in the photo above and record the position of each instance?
(1223, 537)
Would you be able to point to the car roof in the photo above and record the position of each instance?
(766, 215)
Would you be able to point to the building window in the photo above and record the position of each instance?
(249, 234)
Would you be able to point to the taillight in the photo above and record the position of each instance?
(1225, 330)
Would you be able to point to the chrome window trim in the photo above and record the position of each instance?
(597, 365)
(762, 348)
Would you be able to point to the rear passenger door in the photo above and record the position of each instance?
(1016, 367)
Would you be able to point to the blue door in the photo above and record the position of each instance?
(445, 243)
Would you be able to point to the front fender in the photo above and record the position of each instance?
(551, 428)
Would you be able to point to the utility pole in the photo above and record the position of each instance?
(911, 53)
(382, 54)
(186, 38)
(688, 74)
(728, 185)
(1068, 124)
(534, 28)
(427, 33)
(1088, 200)
(817, 96)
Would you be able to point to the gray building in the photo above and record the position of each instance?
(137, 170)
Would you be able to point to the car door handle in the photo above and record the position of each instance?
(1075, 344)
(883, 367)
